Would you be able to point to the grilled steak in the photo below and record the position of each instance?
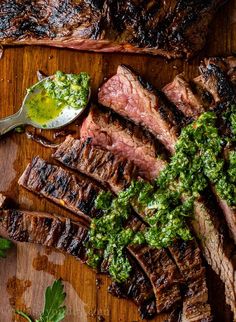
(206, 91)
(160, 268)
(126, 95)
(70, 237)
(124, 139)
(137, 287)
(45, 229)
(54, 183)
(106, 167)
(74, 192)
(168, 28)
(186, 254)
(189, 98)
(205, 222)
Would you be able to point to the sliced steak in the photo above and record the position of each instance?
(104, 166)
(45, 229)
(206, 226)
(169, 28)
(71, 237)
(127, 95)
(76, 193)
(124, 139)
(216, 248)
(216, 82)
(137, 288)
(45, 179)
(160, 268)
(186, 254)
(187, 97)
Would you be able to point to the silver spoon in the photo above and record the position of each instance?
(67, 115)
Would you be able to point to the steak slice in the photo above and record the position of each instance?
(217, 250)
(45, 229)
(186, 254)
(70, 237)
(160, 268)
(128, 96)
(169, 28)
(124, 139)
(73, 192)
(115, 171)
(136, 287)
(214, 79)
(188, 97)
(45, 179)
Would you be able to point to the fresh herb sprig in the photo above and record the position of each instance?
(5, 244)
(54, 311)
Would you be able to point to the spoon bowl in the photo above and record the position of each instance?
(67, 115)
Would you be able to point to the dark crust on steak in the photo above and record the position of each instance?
(170, 28)
(106, 167)
(45, 229)
(71, 237)
(187, 256)
(67, 190)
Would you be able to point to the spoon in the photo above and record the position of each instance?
(67, 115)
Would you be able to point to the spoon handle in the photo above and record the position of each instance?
(11, 122)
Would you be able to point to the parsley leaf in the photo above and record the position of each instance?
(4, 246)
(54, 311)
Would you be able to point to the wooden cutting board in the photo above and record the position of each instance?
(29, 269)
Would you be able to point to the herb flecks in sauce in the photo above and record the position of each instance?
(198, 160)
(57, 93)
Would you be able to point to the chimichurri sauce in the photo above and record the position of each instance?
(57, 93)
(198, 161)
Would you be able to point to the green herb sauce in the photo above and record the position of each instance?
(57, 93)
(198, 160)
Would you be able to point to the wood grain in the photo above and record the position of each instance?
(29, 269)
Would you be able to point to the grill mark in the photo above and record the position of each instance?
(73, 192)
(88, 159)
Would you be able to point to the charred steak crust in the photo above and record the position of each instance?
(74, 192)
(169, 28)
(71, 237)
(87, 158)
(45, 229)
